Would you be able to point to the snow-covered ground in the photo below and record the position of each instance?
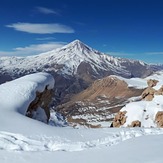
(84, 145)
(144, 111)
(142, 83)
(24, 140)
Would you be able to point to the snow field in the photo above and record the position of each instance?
(18, 142)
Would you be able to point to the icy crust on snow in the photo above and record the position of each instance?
(16, 95)
(103, 138)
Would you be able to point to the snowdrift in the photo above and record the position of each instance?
(16, 96)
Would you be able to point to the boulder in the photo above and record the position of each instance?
(119, 119)
(160, 91)
(159, 119)
(135, 124)
(148, 94)
(39, 107)
(152, 82)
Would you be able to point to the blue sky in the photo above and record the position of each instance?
(124, 28)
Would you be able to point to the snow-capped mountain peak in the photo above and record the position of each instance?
(77, 47)
(69, 58)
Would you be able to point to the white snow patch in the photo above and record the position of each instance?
(143, 111)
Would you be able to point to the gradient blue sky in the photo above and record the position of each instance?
(124, 28)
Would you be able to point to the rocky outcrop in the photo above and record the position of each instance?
(39, 107)
(135, 124)
(119, 119)
(160, 91)
(149, 92)
(159, 119)
(152, 82)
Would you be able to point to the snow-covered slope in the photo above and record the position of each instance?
(141, 83)
(24, 140)
(66, 60)
(145, 111)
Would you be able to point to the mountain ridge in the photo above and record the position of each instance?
(70, 57)
(74, 66)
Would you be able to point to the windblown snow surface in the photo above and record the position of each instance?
(24, 140)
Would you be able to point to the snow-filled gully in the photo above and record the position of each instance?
(17, 142)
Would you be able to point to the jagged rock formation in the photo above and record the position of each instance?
(40, 104)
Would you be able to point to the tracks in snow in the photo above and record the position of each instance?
(17, 142)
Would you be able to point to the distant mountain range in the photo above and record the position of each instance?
(75, 67)
(76, 58)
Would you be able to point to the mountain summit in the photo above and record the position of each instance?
(71, 58)
(77, 45)
(75, 58)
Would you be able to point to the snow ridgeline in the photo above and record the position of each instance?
(18, 142)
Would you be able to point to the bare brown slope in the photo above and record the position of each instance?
(98, 102)
(112, 87)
